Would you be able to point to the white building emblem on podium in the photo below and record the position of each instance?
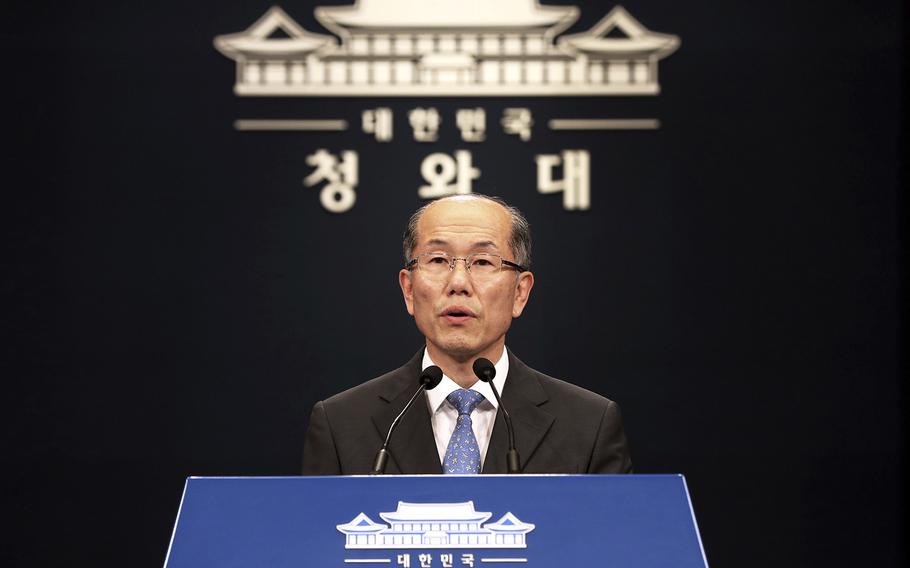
(446, 48)
(435, 525)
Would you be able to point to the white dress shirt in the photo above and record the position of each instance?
(444, 415)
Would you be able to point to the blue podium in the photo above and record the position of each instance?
(619, 521)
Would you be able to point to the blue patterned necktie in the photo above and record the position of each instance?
(462, 453)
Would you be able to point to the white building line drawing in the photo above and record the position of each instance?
(435, 525)
(446, 48)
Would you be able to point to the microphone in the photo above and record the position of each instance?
(485, 371)
(428, 379)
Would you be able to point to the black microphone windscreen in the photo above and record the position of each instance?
(484, 370)
(431, 376)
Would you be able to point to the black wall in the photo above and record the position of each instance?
(177, 301)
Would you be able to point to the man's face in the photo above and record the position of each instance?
(460, 316)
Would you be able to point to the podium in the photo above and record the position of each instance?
(432, 521)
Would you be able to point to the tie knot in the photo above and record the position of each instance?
(465, 400)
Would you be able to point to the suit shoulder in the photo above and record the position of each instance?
(560, 390)
(383, 385)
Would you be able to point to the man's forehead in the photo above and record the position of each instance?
(482, 222)
(465, 212)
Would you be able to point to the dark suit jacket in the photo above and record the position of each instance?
(559, 427)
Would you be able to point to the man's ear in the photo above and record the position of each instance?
(522, 293)
(404, 280)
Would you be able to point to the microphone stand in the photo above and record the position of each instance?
(485, 371)
(428, 379)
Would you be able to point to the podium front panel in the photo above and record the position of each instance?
(618, 521)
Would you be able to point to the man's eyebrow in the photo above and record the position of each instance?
(475, 245)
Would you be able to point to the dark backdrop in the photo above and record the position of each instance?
(177, 301)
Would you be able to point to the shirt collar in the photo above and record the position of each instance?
(438, 395)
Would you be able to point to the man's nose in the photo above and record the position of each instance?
(460, 277)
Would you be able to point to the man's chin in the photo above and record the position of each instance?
(460, 348)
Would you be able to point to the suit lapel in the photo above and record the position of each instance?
(522, 397)
(413, 447)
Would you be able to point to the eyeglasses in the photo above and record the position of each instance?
(478, 264)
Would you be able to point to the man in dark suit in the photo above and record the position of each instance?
(466, 277)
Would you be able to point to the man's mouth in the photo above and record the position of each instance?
(457, 314)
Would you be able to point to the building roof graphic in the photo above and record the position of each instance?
(638, 39)
(460, 512)
(447, 14)
(435, 525)
(257, 40)
(362, 524)
(446, 48)
(510, 523)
